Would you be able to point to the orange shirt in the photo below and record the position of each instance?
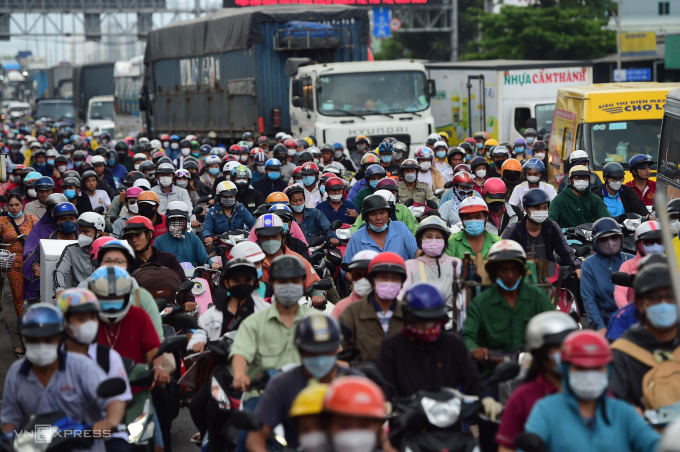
(311, 277)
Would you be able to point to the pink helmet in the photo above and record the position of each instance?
(133, 192)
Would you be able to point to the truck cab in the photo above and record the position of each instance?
(336, 102)
(100, 115)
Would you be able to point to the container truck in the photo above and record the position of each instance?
(500, 97)
(226, 72)
(60, 82)
(91, 80)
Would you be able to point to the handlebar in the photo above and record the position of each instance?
(22, 237)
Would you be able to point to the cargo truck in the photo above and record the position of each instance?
(500, 97)
(60, 82)
(91, 80)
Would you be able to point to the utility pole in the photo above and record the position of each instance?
(618, 36)
(454, 30)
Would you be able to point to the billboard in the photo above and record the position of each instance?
(242, 3)
(82, 5)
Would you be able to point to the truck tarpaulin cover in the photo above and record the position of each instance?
(231, 29)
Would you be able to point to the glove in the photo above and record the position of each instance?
(491, 408)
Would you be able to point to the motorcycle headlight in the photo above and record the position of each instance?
(343, 234)
(417, 211)
(631, 224)
(37, 441)
(440, 413)
(136, 427)
(219, 395)
(588, 234)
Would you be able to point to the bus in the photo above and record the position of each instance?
(128, 77)
(668, 173)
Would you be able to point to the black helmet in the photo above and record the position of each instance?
(306, 155)
(68, 182)
(372, 203)
(328, 147)
(190, 163)
(409, 164)
(57, 198)
(71, 173)
(604, 227)
(613, 169)
(466, 146)
(132, 177)
(286, 267)
(89, 173)
(101, 151)
(652, 276)
(318, 333)
(147, 166)
(121, 146)
(239, 266)
(279, 150)
(535, 197)
(539, 145)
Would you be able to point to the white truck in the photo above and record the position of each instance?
(100, 115)
(336, 102)
(500, 97)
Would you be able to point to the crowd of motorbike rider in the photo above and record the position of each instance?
(363, 275)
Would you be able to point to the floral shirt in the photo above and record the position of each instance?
(8, 233)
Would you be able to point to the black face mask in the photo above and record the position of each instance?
(241, 291)
(496, 207)
(147, 211)
(242, 187)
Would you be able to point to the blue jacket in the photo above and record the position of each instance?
(189, 249)
(360, 184)
(597, 289)
(341, 214)
(399, 240)
(173, 154)
(216, 222)
(256, 175)
(315, 223)
(267, 186)
(119, 173)
(617, 426)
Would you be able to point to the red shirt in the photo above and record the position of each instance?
(159, 226)
(133, 337)
(647, 196)
(518, 408)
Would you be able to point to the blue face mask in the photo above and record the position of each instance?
(519, 150)
(374, 183)
(298, 209)
(196, 154)
(77, 163)
(273, 175)
(308, 180)
(440, 154)
(285, 228)
(70, 194)
(509, 289)
(259, 273)
(111, 162)
(15, 216)
(113, 305)
(480, 145)
(67, 227)
(386, 158)
(530, 140)
(662, 315)
(40, 165)
(51, 162)
(474, 227)
(322, 189)
(319, 366)
(468, 157)
(214, 171)
(378, 229)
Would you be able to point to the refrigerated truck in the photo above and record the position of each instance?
(500, 97)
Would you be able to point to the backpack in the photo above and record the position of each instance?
(661, 383)
(161, 281)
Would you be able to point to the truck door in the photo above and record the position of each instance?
(476, 104)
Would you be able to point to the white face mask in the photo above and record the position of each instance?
(137, 166)
(588, 384)
(362, 287)
(410, 177)
(61, 168)
(84, 240)
(424, 166)
(581, 185)
(31, 192)
(186, 151)
(358, 440)
(134, 208)
(41, 354)
(314, 442)
(174, 145)
(615, 185)
(654, 249)
(675, 227)
(480, 173)
(539, 216)
(533, 179)
(291, 152)
(166, 144)
(335, 198)
(86, 332)
(165, 181)
(182, 183)
(540, 155)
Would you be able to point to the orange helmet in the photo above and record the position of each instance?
(148, 196)
(276, 197)
(355, 396)
(511, 165)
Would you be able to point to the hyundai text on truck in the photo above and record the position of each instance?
(226, 72)
(500, 97)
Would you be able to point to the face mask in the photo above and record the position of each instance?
(509, 289)
(182, 183)
(14, 150)
(361, 147)
(433, 247)
(271, 246)
(581, 185)
(314, 442)
(50, 162)
(111, 162)
(214, 171)
(41, 354)
(539, 216)
(165, 181)
(70, 194)
(384, 226)
(424, 166)
(410, 177)
(480, 173)
(362, 287)
(196, 154)
(298, 209)
(136, 165)
(291, 152)
(588, 384)
(241, 291)
(615, 185)
(86, 332)
(244, 157)
(539, 155)
(77, 163)
(387, 290)
(319, 366)
(480, 145)
(398, 155)
(15, 216)
(496, 207)
(440, 154)
(166, 144)
(67, 227)
(386, 158)
(273, 175)
(285, 228)
(427, 335)
(322, 189)
(17, 179)
(185, 151)
(530, 140)
(335, 198)
(308, 180)
(260, 169)
(610, 246)
(533, 179)
(134, 208)
(111, 305)
(84, 240)
(675, 227)
(337, 154)
(474, 227)
(146, 211)
(654, 249)
(259, 273)
(519, 150)
(31, 192)
(228, 202)
(662, 315)
(288, 294)
(374, 183)
(174, 145)
(61, 168)
(354, 441)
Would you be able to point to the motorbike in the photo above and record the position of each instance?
(332, 257)
(306, 299)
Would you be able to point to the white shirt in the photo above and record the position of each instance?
(521, 189)
(425, 177)
(312, 198)
(99, 199)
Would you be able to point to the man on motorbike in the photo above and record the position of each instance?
(310, 184)
(620, 199)
(411, 187)
(306, 413)
(577, 204)
(388, 189)
(226, 216)
(356, 273)
(359, 181)
(597, 289)
(499, 154)
(311, 221)
(533, 169)
(497, 318)
(474, 239)
(44, 187)
(579, 157)
(246, 194)
(362, 145)
(480, 168)
(317, 338)
(582, 417)
(462, 189)
(293, 243)
(373, 175)
(336, 207)
(186, 246)
(273, 182)
(640, 168)
(253, 253)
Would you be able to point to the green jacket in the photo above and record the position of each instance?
(569, 210)
(491, 322)
(359, 198)
(403, 214)
(458, 245)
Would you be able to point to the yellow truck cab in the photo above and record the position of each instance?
(612, 122)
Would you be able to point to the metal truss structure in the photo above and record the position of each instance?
(422, 19)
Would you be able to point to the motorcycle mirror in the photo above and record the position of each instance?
(99, 210)
(337, 224)
(111, 388)
(172, 344)
(198, 210)
(582, 251)
(322, 284)
(245, 420)
(529, 442)
(161, 303)
(203, 199)
(318, 240)
(3, 198)
(185, 286)
(408, 202)
(222, 249)
(186, 321)
(348, 354)
(314, 258)
(449, 184)
(622, 279)
(505, 371)
(439, 192)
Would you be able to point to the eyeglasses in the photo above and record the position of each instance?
(151, 175)
(114, 262)
(654, 299)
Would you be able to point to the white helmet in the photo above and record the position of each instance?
(578, 155)
(549, 328)
(93, 220)
(247, 250)
(364, 255)
(155, 144)
(648, 230)
(230, 165)
(280, 135)
(138, 156)
(143, 183)
(190, 137)
(671, 438)
(98, 160)
(440, 144)
(388, 195)
(178, 206)
(211, 160)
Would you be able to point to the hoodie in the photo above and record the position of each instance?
(597, 289)
(569, 210)
(42, 230)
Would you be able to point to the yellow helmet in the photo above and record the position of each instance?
(309, 401)
(444, 135)
(491, 142)
(310, 141)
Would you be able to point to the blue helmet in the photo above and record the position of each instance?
(41, 320)
(535, 197)
(338, 146)
(273, 163)
(533, 164)
(425, 301)
(375, 169)
(282, 211)
(64, 209)
(175, 138)
(205, 149)
(318, 333)
(44, 183)
(385, 147)
(640, 160)
(261, 158)
(605, 226)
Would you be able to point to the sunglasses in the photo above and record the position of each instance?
(650, 242)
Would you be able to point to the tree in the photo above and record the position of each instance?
(549, 30)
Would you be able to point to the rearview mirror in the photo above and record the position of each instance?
(198, 210)
(161, 303)
(505, 371)
(322, 284)
(318, 240)
(337, 224)
(203, 199)
(185, 286)
(297, 102)
(297, 90)
(448, 184)
(439, 192)
(622, 279)
(529, 442)
(431, 89)
(99, 210)
(172, 344)
(111, 388)
(186, 321)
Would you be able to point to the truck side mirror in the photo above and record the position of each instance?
(297, 102)
(298, 88)
(431, 89)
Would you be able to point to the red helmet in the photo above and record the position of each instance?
(235, 149)
(462, 167)
(586, 348)
(470, 140)
(254, 151)
(355, 396)
(230, 158)
(463, 178)
(290, 143)
(310, 168)
(388, 262)
(297, 170)
(165, 137)
(94, 248)
(334, 183)
(494, 186)
(137, 224)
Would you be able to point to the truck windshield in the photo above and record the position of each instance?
(371, 93)
(54, 110)
(101, 110)
(544, 116)
(619, 141)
